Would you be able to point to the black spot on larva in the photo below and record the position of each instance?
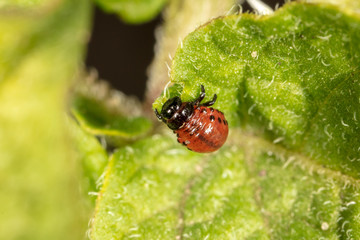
(212, 118)
(189, 149)
(224, 122)
(192, 133)
(219, 119)
(183, 143)
(177, 135)
(178, 140)
(206, 141)
(204, 110)
(211, 109)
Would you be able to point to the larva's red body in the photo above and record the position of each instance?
(205, 131)
(198, 127)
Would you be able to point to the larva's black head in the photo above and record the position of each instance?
(175, 113)
(170, 107)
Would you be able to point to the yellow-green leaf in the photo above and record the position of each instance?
(40, 50)
(92, 156)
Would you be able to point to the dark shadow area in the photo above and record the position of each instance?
(121, 53)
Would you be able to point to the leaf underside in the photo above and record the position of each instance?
(289, 87)
(98, 119)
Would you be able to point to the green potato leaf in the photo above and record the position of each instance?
(40, 51)
(26, 4)
(99, 119)
(292, 77)
(289, 86)
(92, 156)
(157, 189)
(133, 11)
